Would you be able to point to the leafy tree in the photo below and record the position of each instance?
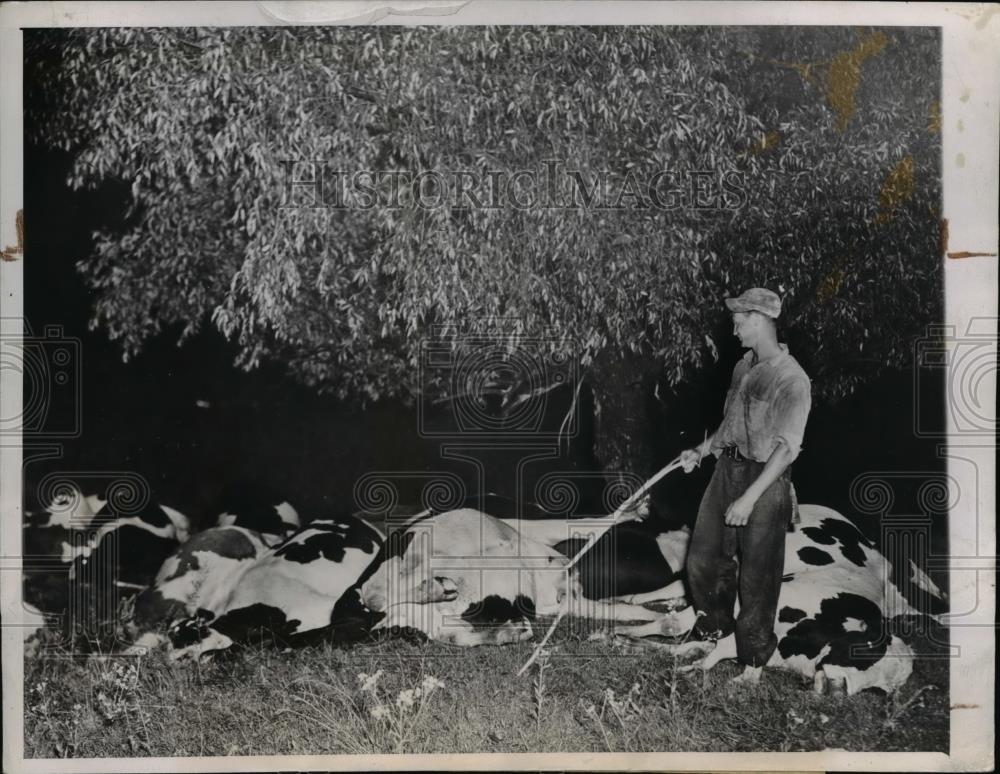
(818, 150)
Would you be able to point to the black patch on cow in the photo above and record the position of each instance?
(395, 545)
(221, 541)
(331, 541)
(47, 590)
(152, 608)
(351, 619)
(852, 542)
(42, 546)
(525, 606)
(189, 631)
(791, 614)
(494, 610)
(128, 553)
(859, 649)
(624, 560)
(257, 623)
(815, 556)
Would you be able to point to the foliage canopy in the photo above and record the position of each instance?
(815, 151)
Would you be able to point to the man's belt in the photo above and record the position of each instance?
(733, 453)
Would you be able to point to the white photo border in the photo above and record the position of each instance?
(971, 87)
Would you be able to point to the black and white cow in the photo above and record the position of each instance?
(198, 576)
(83, 559)
(462, 577)
(632, 561)
(126, 550)
(205, 568)
(467, 578)
(287, 592)
(633, 558)
(47, 540)
(50, 536)
(834, 610)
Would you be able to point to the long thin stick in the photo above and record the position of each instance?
(590, 542)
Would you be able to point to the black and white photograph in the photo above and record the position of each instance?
(571, 385)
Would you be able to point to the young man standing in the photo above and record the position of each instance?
(746, 509)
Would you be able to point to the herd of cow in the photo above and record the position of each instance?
(481, 574)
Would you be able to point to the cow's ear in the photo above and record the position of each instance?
(288, 515)
(226, 519)
(182, 526)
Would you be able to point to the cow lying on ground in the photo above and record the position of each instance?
(47, 540)
(82, 559)
(834, 611)
(128, 549)
(632, 560)
(286, 592)
(204, 570)
(461, 577)
(467, 578)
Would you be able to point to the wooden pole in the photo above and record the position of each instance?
(590, 542)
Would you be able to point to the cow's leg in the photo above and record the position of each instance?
(445, 626)
(665, 625)
(214, 641)
(700, 648)
(670, 592)
(613, 611)
(466, 635)
(724, 649)
(145, 643)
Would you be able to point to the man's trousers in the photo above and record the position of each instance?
(725, 561)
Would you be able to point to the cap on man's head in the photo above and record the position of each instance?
(756, 300)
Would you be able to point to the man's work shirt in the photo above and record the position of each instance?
(768, 402)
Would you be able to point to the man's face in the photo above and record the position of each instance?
(745, 327)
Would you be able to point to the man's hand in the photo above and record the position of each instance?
(638, 511)
(690, 459)
(738, 514)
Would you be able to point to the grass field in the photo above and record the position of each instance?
(584, 696)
